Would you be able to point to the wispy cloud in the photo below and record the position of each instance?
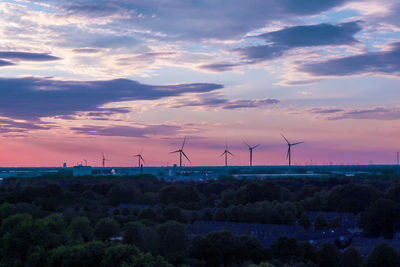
(27, 56)
(374, 113)
(33, 98)
(128, 131)
(386, 62)
(301, 36)
(217, 101)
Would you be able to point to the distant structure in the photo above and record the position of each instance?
(251, 152)
(64, 165)
(104, 161)
(81, 170)
(226, 152)
(398, 158)
(289, 153)
(140, 159)
(180, 151)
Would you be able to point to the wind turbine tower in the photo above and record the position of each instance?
(104, 160)
(251, 152)
(289, 152)
(140, 158)
(226, 152)
(181, 152)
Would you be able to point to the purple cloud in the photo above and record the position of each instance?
(387, 62)
(128, 131)
(375, 113)
(86, 50)
(32, 98)
(179, 19)
(300, 36)
(27, 56)
(5, 63)
(216, 101)
(11, 126)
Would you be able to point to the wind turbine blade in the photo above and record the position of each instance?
(230, 153)
(297, 143)
(186, 156)
(287, 155)
(223, 153)
(247, 144)
(255, 146)
(184, 141)
(226, 145)
(285, 139)
(141, 151)
(142, 159)
(174, 152)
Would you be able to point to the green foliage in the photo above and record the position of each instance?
(106, 228)
(351, 257)
(222, 248)
(321, 222)
(122, 193)
(383, 255)
(328, 255)
(304, 221)
(351, 197)
(381, 218)
(173, 240)
(145, 238)
(81, 229)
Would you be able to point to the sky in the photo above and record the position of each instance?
(80, 78)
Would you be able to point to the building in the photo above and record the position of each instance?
(81, 170)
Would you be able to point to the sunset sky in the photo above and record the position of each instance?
(82, 77)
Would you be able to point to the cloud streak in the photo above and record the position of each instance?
(33, 98)
(386, 62)
(374, 113)
(300, 36)
(128, 131)
(217, 101)
(26, 56)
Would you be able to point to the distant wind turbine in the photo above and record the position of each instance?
(226, 152)
(251, 152)
(104, 160)
(180, 151)
(140, 158)
(289, 154)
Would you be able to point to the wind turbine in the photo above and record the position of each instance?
(180, 151)
(251, 152)
(104, 160)
(226, 152)
(140, 158)
(289, 154)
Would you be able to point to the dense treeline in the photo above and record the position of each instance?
(53, 221)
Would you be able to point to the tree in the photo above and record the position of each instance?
(122, 193)
(328, 255)
(174, 214)
(173, 240)
(284, 248)
(81, 229)
(207, 214)
(321, 222)
(304, 221)
(383, 255)
(220, 215)
(335, 223)
(380, 218)
(351, 257)
(106, 228)
(145, 238)
(351, 197)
